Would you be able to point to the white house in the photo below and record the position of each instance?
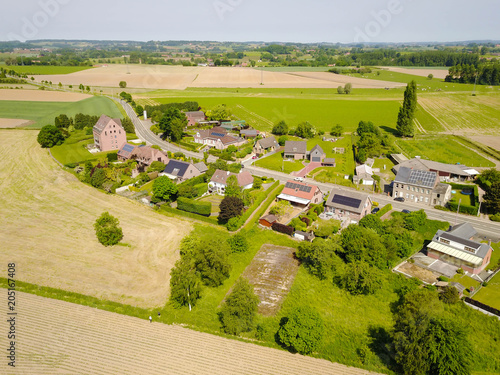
(218, 182)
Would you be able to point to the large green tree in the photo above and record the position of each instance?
(232, 187)
(185, 285)
(302, 330)
(210, 258)
(108, 229)
(281, 128)
(230, 207)
(164, 189)
(238, 311)
(218, 113)
(304, 130)
(50, 136)
(360, 278)
(406, 113)
(492, 198)
(171, 121)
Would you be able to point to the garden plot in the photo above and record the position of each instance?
(271, 273)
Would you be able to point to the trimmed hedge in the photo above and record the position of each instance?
(166, 209)
(195, 207)
(112, 156)
(384, 210)
(282, 228)
(464, 208)
(258, 200)
(201, 188)
(266, 204)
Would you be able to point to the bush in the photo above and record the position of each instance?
(302, 330)
(450, 295)
(384, 210)
(112, 156)
(107, 229)
(282, 228)
(50, 136)
(233, 224)
(443, 278)
(495, 217)
(298, 224)
(195, 207)
(238, 243)
(305, 220)
(460, 271)
(98, 178)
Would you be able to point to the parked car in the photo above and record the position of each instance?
(399, 199)
(375, 210)
(298, 179)
(406, 211)
(254, 157)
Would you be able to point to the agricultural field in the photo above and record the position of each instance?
(43, 113)
(444, 149)
(41, 96)
(46, 69)
(61, 250)
(59, 336)
(14, 122)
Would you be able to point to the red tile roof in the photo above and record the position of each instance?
(298, 193)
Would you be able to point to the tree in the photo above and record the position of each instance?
(218, 113)
(282, 140)
(337, 130)
(238, 243)
(340, 90)
(492, 198)
(238, 311)
(122, 84)
(210, 258)
(304, 130)
(155, 129)
(107, 229)
(348, 88)
(81, 87)
(185, 288)
(128, 125)
(164, 189)
(232, 187)
(50, 136)
(360, 278)
(302, 330)
(319, 257)
(450, 295)
(156, 116)
(230, 207)
(139, 110)
(430, 76)
(281, 128)
(62, 121)
(167, 124)
(156, 166)
(177, 129)
(98, 178)
(406, 113)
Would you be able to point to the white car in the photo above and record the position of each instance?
(298, 179)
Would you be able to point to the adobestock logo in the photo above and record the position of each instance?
(30, 27)
(222, 7)
(380, 20)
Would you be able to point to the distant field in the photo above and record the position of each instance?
(43, 113)
(444, 149)
(295, 69)
(42, 69)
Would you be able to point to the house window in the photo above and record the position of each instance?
(470, 249)
(407, 187)
(105, 133)
(421, 198)
(444, 241)
(407, 195)
(422, 191)
(426, 200)
(427, 191)
(411, 197)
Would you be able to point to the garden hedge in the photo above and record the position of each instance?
(384, 210)
(195, 207)
(282, 228)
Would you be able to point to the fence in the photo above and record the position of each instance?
(482, 306)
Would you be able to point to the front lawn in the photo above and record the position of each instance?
(275, 162)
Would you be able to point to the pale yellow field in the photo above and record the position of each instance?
(46, 228)
(424, 72)
(58, 337)
(177, 77)
(41, 96)
(13, 122)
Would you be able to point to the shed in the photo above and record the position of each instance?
(304, 236)
(329, 162)
(268, 220)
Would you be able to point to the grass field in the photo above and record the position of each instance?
(490, 295)
(43, 113)
(275, 162)
(61, 250)
(443, 148)
(49, 69)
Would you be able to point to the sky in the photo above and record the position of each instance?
(252, 20)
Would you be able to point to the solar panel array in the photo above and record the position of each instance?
(294, 186)
(218, 134)
(346, 201)
(422, 178)
(128, 148)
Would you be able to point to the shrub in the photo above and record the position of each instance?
(282, 228)
(196, 207)
(50, 136)
(443, 278)
(112, 156)
(98, 178)
(460, 271)
(495, 217)
(384, 210)
(450, 295)
(298, 224)
(238, 243)
(107, 229)
(164, 189)
(312, 215)
(233, 224)
(305, 220)
(302, 330)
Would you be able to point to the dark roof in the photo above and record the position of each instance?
(301, 187)
(249, 132)
(463, 230)
(126, 150)
(317, 148)
(348, 200)
(463, 241)
(176, 168)
(295, 147)
(268, 142)
(461, 234)
(416, 177)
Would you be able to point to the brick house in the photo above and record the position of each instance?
(317, 154)
(301, 194)
(456, 246)
(109, 134)
(421, 186)
(142, 154)
(217, 137)
(296, 150)
(180, 170)
(344, 204)
(268, 144)
(218, 182)
(195, 117)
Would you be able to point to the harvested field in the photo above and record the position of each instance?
(422, 72)
(176, 77)
(14, 122)
(57, 337)
(491, 141)
(41, 96)
(47, 229)
(271, 273)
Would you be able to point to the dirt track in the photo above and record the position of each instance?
(47, 229)
(57, 337)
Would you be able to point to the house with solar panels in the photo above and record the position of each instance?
(457, 246)
(144, 155)
(301, 194)
(420, 186)
(218, 138)
(109, 134)
(347, 205)
(180, 171)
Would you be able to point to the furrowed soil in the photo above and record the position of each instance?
(47, 230)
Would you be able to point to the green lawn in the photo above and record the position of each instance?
(275, 162)
(490, 295)
(73, 149)
(215, 200)
(43, 113)
(495, 257)
(442, 148)
(465, 281)
(49, 69)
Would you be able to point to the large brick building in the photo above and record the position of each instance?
(109, 134)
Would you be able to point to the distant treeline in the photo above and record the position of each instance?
(186, 107)
(487, 74)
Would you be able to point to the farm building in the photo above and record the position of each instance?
(344, 204)
(295, 150)
(180, 171)
(420, 186)
(268, 220)
(218, 182)
(195, 117)
(217, 137)
(300, 194)
(317, 154)
(109, 134)
(456, 246)
(268, 144)
(446, 172)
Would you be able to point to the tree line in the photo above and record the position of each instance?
(483, 74)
